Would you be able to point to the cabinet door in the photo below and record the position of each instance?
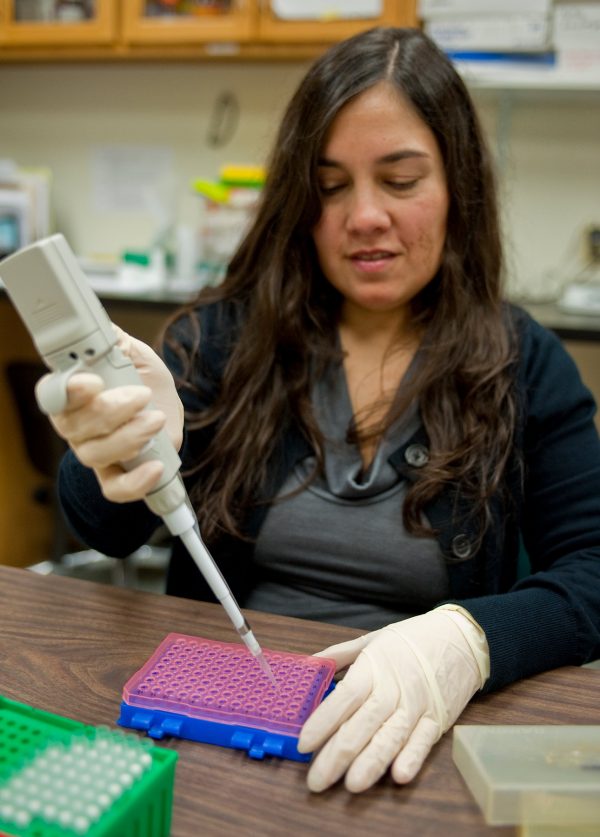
(195, 21)
(58, 22)
(324, 21)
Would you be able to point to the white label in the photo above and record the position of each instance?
(326, 9)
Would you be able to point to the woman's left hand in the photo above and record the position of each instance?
(406, 685)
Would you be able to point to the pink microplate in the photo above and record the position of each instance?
(221, 681)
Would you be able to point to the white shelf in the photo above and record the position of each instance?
(549, 79)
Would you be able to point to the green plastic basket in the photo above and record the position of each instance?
(61, 778)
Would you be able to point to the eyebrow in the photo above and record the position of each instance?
(394, 157)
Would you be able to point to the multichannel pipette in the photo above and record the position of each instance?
(72, 332)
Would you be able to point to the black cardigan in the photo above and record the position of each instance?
(547, 619)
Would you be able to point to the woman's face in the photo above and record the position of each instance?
(381, 232)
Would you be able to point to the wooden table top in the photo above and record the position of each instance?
(68, 647)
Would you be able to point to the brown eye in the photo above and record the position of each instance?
(402, 185)
(330, 188)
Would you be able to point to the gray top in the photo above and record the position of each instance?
(338, 551)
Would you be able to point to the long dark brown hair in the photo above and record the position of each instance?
(290, 311)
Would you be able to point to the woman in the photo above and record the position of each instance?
(370, 432)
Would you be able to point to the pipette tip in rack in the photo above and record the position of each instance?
(61, 778)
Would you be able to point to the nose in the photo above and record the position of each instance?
(367, 211)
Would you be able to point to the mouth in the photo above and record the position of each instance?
(370, 260)
(371, 255)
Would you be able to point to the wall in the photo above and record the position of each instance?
(550, 188)
(53, 115)
(57, 115)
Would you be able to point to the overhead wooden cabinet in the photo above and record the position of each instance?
(145, 22)
(92, 30)
(40, 24)
(325, 21)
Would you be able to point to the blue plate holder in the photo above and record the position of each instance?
(258, 743)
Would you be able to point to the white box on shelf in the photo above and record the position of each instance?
(508, 33)
(434, 9)
(577, 25)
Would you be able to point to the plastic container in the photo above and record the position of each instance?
(227, 208)
(216, 692)
(546, 778)
(222, 228)
(61, 778)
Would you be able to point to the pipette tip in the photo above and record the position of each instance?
(262, 661)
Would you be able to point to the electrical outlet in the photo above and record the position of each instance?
(593, 243)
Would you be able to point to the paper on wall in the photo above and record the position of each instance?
(125, 178)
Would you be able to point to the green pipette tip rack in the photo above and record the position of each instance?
(62, 778)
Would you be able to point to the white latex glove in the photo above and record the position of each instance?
(104, 427)
(407, 684)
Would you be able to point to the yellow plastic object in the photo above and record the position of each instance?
(236, 175)
(545, 778)
(216, 192)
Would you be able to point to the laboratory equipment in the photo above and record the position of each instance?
(72, 332)
(209, 691)
(581, 298)
(543, 778)
(61, 777)
(24, 205)
(227, 208)
(14, 220)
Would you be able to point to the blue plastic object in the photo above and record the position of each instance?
(257, 743)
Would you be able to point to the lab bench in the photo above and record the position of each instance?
(75, 644)
(568, 326)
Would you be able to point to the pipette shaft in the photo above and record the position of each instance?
(205, 563)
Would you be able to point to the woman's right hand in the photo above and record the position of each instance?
(105, 427)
